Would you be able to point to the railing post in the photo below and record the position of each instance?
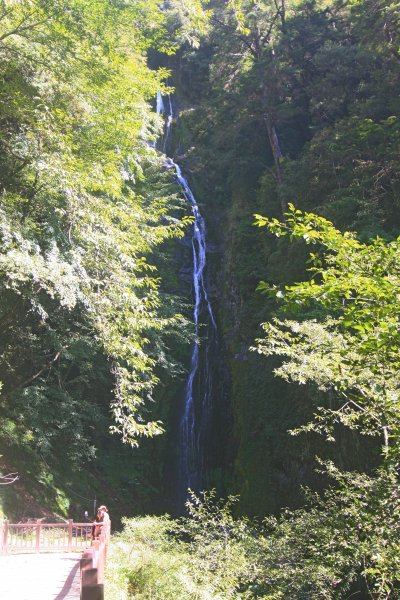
(4, 537)
(70, 521)
(38, 528)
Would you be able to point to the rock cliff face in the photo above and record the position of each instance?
(229, 166)
(245, 434)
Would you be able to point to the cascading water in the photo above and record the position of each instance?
(195, 419)
(160, 108)
(160, 104)
(194, 427)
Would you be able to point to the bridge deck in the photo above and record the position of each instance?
(40, 577)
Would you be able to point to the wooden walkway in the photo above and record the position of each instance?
(40, 577)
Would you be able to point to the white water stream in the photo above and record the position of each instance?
(194, 421)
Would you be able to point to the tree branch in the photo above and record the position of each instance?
(19, 29)
(9, 478)
(38, 374)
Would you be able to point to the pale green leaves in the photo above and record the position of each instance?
(26, 268)
(76, 116)
(189, 19)
(354, 353)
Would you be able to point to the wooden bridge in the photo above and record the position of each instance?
(64, 554)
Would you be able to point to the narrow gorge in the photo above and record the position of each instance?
(201, 393)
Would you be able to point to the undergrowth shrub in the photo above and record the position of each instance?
(204, 555)
(342, 544)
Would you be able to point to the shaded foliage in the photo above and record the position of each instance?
(326, 73)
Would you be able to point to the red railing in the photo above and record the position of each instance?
(92, 566)
(18, 538)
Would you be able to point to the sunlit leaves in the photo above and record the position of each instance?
(76, 117)
(355, 352)
(188, 20)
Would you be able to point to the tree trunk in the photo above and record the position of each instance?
(277, 154)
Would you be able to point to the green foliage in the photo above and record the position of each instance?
(145, 562)
(201, 556)
(220, 546)
(85, 201)
(351, 351)
(329, 549)
(355, 351)
(189, 21)
(355, 179)
(342, 543)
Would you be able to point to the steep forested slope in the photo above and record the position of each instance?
(293, 102)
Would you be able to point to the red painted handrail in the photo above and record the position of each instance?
(17, 538)
(92, 566)
(63, 537)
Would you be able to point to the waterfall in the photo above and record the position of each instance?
(197, 407)
(160, 109)
(195, 419)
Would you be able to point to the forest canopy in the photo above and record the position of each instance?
(84, 201)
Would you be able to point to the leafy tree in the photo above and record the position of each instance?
(246, 64)
(77, 223)
(354, 351)
(351, 353)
